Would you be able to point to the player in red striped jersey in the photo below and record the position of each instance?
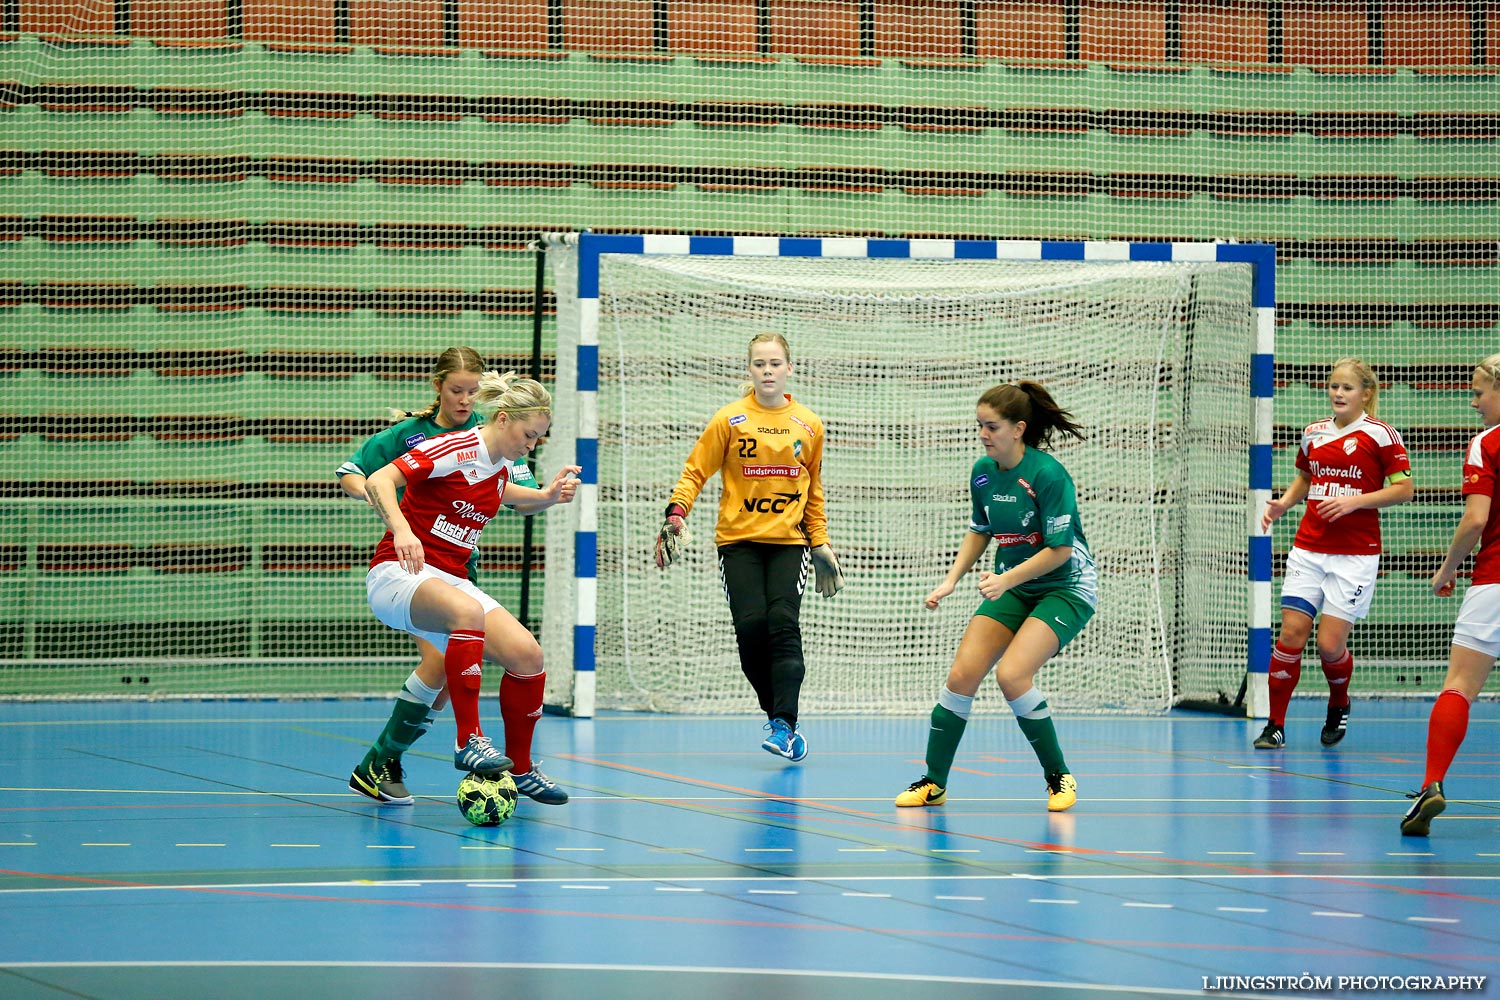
(454, 485)
(1348, 467)
(1476, 635)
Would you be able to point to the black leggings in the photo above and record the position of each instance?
(764, 585)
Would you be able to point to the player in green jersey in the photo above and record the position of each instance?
(1042, 592)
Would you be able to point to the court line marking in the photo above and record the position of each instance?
(723, 879)
(1039, 984)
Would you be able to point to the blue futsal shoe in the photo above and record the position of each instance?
(799, 744)
(780, 740)
(479, 756)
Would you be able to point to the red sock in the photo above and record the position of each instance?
(1338, 673)
(1286, 671)
(461, 664)
(521, 707)
(1445, 731)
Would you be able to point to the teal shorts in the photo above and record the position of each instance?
(1063, 611)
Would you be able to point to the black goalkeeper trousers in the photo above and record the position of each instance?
(764, 585)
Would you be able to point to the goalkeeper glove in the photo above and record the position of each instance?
(669, 538)
(829, 577)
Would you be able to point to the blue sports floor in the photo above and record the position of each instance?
(212, 850)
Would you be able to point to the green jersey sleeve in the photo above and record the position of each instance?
(1057, 502)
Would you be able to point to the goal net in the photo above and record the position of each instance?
(892, 343)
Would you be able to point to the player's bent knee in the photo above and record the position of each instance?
(523, 659)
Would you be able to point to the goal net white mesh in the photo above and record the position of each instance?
(234, 232)
(1153, 358)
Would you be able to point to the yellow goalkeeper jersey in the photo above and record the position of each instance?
(770, 464)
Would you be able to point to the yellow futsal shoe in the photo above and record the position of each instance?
(922, 792)
(1062, 792)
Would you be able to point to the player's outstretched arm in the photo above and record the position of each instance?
(526, 500)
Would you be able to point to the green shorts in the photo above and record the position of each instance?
(1063, 611)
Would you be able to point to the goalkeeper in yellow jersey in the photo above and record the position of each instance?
(1042, 592)
(768, 451)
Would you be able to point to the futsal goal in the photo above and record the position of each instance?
(1162, 351)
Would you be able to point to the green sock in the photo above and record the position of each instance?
(942, 743)
(407, 724)
(1043, 739)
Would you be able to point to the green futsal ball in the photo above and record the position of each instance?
(487, 801)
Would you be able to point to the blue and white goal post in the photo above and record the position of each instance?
(1163, 351)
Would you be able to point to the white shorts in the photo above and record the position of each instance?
(1341, 586)
(391, 588)
(1478, 625)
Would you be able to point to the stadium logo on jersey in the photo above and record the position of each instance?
(772, 430)
(1349, 445)
(766, 505)
(981, 481)
(737, 419)
(1027, 487)
(415, 440)
(771, 471)
(1004, 498)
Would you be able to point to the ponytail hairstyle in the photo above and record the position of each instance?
(454, 359)
(1490, 366)
(1029, 402)
(512, 394)
(746, 388)
(1367, 380)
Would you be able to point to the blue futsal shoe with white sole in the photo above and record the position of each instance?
(539, 787)
(479, 756)
(782, 740)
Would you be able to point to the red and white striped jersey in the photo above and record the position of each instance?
(1347, 461)
(453, 489)
(1482, 475)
